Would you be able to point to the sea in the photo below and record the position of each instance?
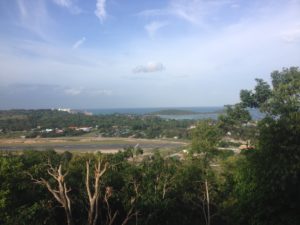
(203, 112)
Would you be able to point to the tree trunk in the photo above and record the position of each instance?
(207, 202)
(93, 197)
(69, 218)
(61, 192)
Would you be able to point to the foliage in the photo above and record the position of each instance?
(235, 121)
(258, 97)
(205, 137)
(154, 189)
(267, 186)
(34, 122)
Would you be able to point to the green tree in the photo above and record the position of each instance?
(258, 96)
(235, 120)
(269, 186)
(205, 138)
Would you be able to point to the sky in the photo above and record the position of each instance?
(137, 53)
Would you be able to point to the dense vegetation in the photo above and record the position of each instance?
(259, 186)
(149, 191)
(35, 121)
(174, 112)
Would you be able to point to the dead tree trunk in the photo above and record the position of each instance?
(110, 217)
(93, 196)
(61, 193)
(207, 202)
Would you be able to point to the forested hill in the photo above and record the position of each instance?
(47, 118)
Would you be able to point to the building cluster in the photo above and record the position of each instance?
(60, 131)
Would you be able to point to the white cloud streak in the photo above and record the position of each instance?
(63, 3)
(34, 17)
(22, 8)
(100, 11)
(73, 91)
(69, 5)
(100, 92)
(79, 42)
(87, 92)
(149, 68)
(195, 12)
(154, 26)
(292, 35)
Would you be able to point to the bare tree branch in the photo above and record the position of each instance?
(93, 196)
(60, 194)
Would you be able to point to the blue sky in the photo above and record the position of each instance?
(138, 53)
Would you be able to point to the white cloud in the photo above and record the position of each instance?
(92, 92)
(69, 5)
(100, 10)
(195, 12)
(149, 68)
(153, 12)
(253, 43)
(235, 6)
(99, 92)
(30, 87)
(292, 35)
(63, 3)
(34, 17)
(22, 8)
(79, 42)
(154, 26)
(73, 91)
